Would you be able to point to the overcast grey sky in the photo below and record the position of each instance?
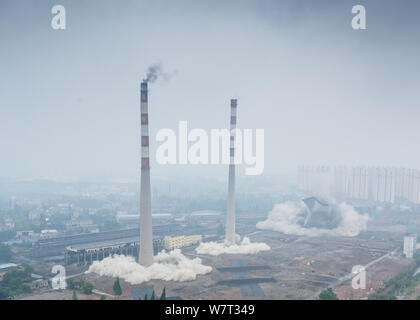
(323, 92)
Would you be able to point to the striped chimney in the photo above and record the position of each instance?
(146, 237)
(230, 214)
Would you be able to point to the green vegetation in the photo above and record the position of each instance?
(117, 287)
(328, 295)
(15, 282)
(74, 295)
(84, 286)
(87, 288)
(163, 295)
(376, 296)
(403, 284)
(103, 297)
(153, 296)
(5, 253)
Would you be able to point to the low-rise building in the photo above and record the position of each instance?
(410, 245)
(39, 284)
(26, 235)
(49, 233)
(180, 242)
(86, 253)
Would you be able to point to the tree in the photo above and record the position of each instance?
(328, 295)
(87, 288)
(15, 281)
(153, 296)
(117, 287)
(102, 297)
(74, 295)
(27, 269)
(4, 293)
(163, 296)
(70, 284)
(145, 297)
(5, 253)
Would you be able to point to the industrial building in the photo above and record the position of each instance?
(171, 243)
(85, 254)
(57, 246)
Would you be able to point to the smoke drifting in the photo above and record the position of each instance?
(245, 247)
(285, 216)
(171, 266)
(156, 71)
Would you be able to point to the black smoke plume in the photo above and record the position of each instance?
(154, 72)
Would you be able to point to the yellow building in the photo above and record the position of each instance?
(180, 242)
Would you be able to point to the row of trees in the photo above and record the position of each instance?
(153, 296)
(328, 294)
(118, 291)
(84, 286)
(403, 283)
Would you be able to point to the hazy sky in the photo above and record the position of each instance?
(323, 92)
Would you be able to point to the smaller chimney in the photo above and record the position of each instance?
(230, 213)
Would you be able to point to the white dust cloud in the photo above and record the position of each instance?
(244, 247)
(168, 266)
(285, 216)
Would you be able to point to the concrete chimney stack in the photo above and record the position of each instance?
(230, 214)
(146, 236)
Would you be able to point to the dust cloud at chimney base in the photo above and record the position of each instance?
(243, 247)
(168, 266)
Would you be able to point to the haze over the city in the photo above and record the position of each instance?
(323, 92)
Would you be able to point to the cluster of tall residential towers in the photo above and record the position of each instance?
(379, 184)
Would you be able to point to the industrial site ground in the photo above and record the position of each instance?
(296, 267)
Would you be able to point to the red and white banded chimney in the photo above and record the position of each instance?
(146, 236)
(230, 213)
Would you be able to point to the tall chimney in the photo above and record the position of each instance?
(230, 215)
(146, 237)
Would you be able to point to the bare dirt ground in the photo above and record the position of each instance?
(301, 267)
